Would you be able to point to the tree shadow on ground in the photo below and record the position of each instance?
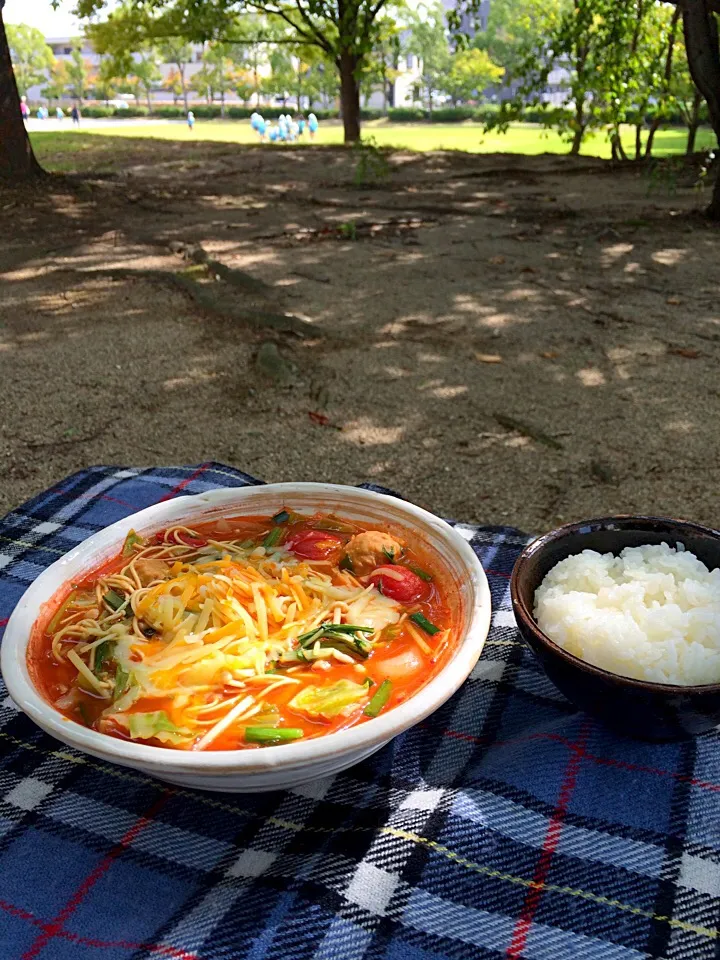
(502, 338)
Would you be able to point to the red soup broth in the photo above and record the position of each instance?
(108, 651)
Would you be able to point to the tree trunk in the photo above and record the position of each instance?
(703, 50)
(181, 71)
(638, 140)
(17, 160)
(222, 105)
(693, 122)
(618, 151)
(149, 102)
(349, 96)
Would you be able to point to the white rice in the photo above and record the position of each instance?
(653, 613)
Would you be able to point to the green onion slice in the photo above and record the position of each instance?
(379, 699)
(272, 539)
(114, 600)
(424, 624)
(419, 572)
(281, 517)
(269, 735)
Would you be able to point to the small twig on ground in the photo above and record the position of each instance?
(527, 430)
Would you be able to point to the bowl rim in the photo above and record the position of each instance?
(529, 622)
(363, 737)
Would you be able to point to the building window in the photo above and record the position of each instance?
(409, 61)
(67, 51)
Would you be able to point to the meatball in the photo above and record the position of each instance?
(371, 549)
(149, 569)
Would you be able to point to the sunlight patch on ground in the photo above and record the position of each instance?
(366, 433)
(670, 256)
(590, 377)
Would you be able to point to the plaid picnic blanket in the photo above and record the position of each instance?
(507, 825)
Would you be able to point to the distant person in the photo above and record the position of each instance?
(24, 108)
(302, 123)
(261, 127)
(40, 113)
(75, 115)
(274, 134)
(59, 115)
(312, 125)
(282, 127)
(190, 119)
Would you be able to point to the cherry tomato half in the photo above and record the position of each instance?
(314, 544)
(399, 583)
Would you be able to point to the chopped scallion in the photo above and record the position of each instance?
(390, 555)
(419, 572)
(272, 539)
(103, 652)
(424, 624)
(346, 564)
(281, 517)
(114, 600)
(270, 735)
(379, 699)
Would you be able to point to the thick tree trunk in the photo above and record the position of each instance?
(349, 96)
(579, 133)
(17, 160)
(638, 141)
(703, 50)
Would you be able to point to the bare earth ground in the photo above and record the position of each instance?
(502, 339)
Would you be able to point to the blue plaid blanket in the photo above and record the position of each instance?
(507, 825)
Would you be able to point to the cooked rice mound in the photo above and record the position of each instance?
(651, 613)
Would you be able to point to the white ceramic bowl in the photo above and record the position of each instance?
(279, 767)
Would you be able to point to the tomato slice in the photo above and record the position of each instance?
(399, 583)
(314, 544)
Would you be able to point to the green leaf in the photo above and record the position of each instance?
(346, 564)
(328, 702)
(130, 540)
(122, 681)
(156, 725)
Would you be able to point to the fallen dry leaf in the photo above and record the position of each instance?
(529, 270)
(686, 352)
(548, 354)
(496, 261)
(674, 301)
(489, 357)
(319, 418)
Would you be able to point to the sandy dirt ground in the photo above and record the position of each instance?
(502, 339)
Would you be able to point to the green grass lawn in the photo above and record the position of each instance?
(58, 150)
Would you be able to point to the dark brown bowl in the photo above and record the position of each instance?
(634, 708)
